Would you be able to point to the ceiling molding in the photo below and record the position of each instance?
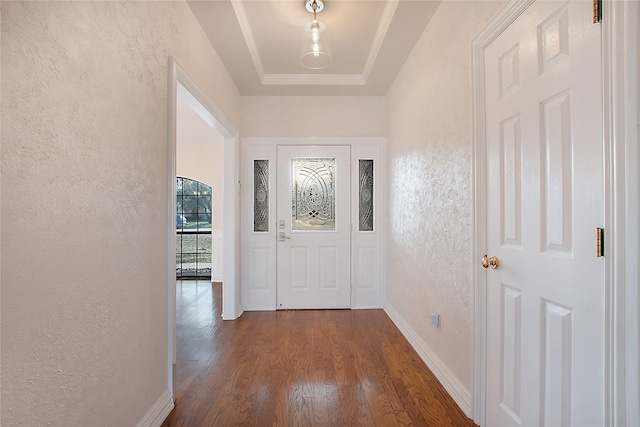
(315, 79)
(241, 14)
(381, 33)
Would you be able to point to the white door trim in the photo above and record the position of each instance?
(621, 207)
(231, 308)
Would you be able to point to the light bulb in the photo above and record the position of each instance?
(315, 32)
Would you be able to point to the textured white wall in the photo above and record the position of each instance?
(429, 153)
(318, 116)
(84, 202)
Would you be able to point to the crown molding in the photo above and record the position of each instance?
(381, 33)
(313, 79)
(241, 14)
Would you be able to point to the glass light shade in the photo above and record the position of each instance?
(316, 52)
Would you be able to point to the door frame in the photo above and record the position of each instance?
(621, 63)
(621, 187)
(231, 308)
(367, 248)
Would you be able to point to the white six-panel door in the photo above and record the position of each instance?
(313, 227)
(545, 300)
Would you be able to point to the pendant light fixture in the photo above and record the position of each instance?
(315, 53)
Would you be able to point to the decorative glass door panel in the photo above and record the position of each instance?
(313, 194)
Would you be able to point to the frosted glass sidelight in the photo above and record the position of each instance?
(313, 194)
(261, 195)
(366, 194)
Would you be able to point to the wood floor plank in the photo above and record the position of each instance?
(299, 368)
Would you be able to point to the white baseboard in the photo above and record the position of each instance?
(239, 311)
(450, 382)
(218, 250)
(158, 412)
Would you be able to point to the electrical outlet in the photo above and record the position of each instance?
(435, 319)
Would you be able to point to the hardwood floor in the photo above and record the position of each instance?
(299, 368)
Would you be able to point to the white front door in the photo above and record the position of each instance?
(545, 306)
(313, 227)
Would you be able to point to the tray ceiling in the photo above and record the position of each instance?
(259, 42)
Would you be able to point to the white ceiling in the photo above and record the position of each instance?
(259, 42)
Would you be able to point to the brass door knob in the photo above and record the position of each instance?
(490, 262)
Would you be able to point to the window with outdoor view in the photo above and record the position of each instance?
(193, 229)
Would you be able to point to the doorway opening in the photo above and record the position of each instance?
(183, 91)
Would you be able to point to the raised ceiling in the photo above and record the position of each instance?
(259, 42)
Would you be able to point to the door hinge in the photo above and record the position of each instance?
(597, 11)
(599, 242)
